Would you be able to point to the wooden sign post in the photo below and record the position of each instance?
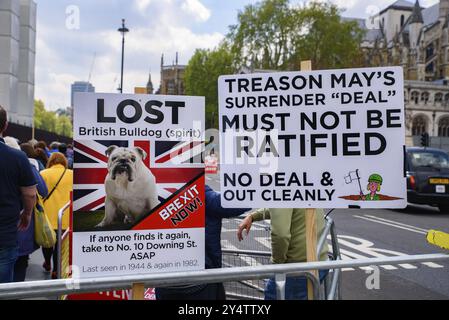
(138, 291)
(311, 232)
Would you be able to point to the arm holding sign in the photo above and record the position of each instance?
(281, 221)
(246, 223)
(286, 224)
(261, 214)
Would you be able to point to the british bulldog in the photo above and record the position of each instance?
(130, 186)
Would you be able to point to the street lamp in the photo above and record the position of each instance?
(123, 30)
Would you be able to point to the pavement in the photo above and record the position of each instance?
(361, 234)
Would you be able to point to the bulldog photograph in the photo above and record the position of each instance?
(130, 186)
(119, 183)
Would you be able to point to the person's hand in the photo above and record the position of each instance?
(245, 225)
(24, 223)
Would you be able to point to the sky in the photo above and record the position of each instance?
(77, 40)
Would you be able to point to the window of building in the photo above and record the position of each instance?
(443, 127)
(415, 97)
(429, 51)
(425, 97)
(430, 68)
(181, 88)
(419, 125)
(402, 20)
(171, 87)
(446, 98)
(439, 97)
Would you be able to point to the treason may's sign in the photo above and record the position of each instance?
(321, 139)
(138, 200)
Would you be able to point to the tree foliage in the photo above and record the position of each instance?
(50, 121)
(201, 77)
(263, 37)
(328, 40)
(274, 35)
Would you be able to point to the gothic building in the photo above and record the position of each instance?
(426, 109)
(149, 87)
(416, 38)
(172, 78)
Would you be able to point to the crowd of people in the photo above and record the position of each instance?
(28, 170)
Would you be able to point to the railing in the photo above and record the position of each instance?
(330, 290)
(60, 237)
(45, 288)
(74, 285)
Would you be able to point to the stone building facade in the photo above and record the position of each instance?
(149, 87)
(411, 36)
(172, 78)
(427, 108)
(416, 38)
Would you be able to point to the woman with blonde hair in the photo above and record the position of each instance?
(59, 182)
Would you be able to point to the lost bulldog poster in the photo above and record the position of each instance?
(321, 139)
(138, 184)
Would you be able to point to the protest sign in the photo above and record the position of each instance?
(318, 139)
(138, 184)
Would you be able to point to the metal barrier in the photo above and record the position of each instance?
(330, 289)
(255, 289)
(60, 238)
(38, 289)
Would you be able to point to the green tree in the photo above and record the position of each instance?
(64, 126)
(262, 38)
(50, 121)
(39, 113)
(274, 35)
(44, 119)
(328, 40)
(201, 77)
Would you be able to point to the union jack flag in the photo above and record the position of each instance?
(173, 163)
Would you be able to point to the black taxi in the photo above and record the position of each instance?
(428, 177)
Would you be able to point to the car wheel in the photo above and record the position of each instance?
(444, 209)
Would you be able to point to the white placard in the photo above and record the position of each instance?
(138, 200)
(142, 252)
(100, 116)
(319, 139)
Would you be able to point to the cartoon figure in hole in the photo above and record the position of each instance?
(374, 184)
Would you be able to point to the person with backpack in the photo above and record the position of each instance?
(59, 181)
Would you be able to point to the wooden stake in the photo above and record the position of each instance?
(311, 243)
(138, 291)
(306, 65)
(311, 232)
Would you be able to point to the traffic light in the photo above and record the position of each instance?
(425, 140)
